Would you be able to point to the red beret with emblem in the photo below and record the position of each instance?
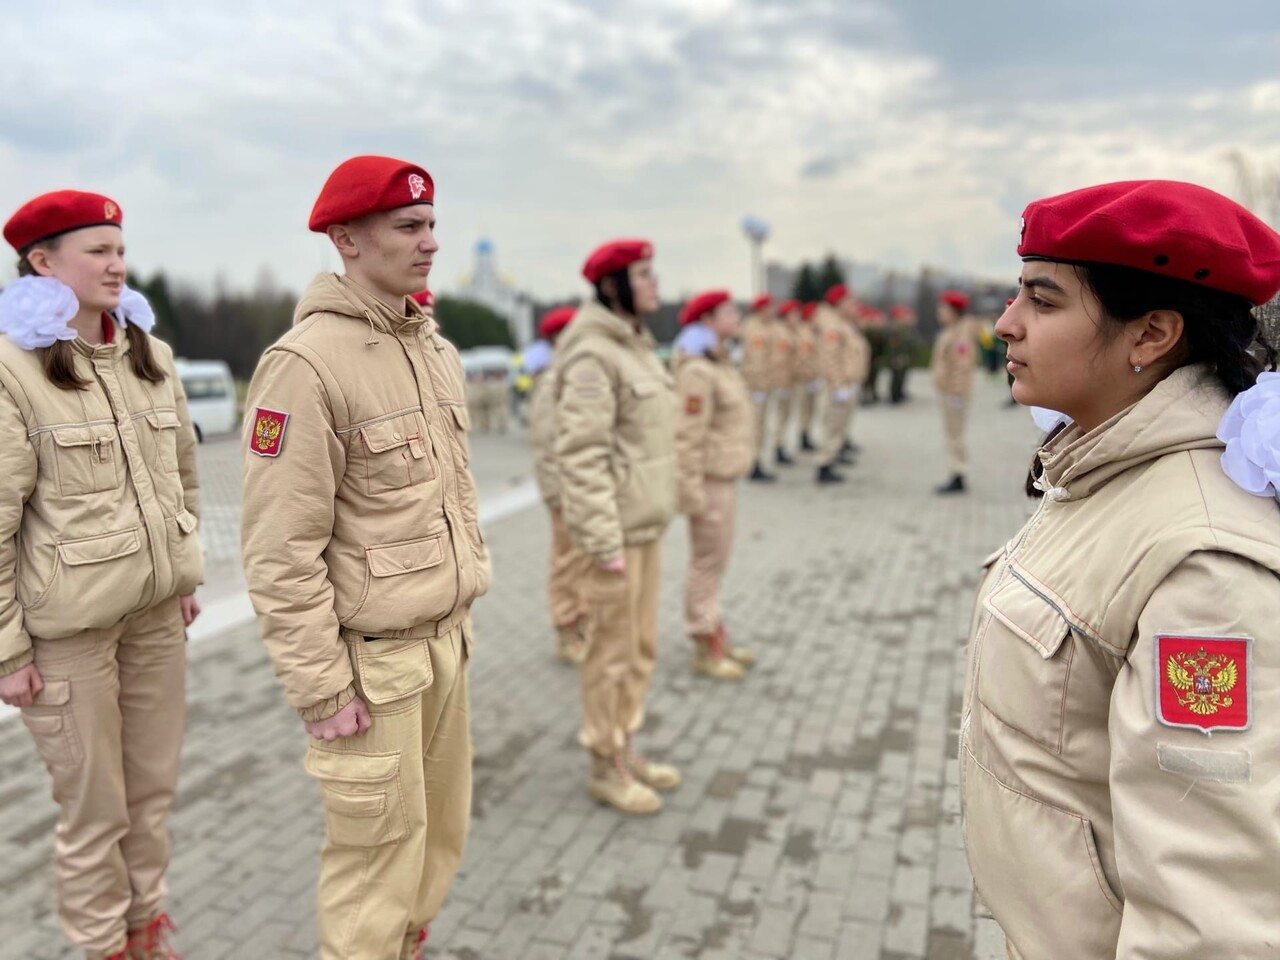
(365, 185)
(787, 306)
(762, 301)
(955, 298)
(614, 256)
(836, 294)
(423, 298)
(53, 214)
(555, 320)
(1164, 227)
(699, 306)
(808, 310)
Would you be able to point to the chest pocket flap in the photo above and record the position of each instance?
(1025, 663)
(646, 388)
(385, 437)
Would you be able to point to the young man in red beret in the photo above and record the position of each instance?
(954, 365)
(615, 449)
(843, 365)
(760, 335)
(808, 371)
(363, 555)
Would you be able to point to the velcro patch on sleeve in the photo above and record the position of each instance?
(693, 406)
(1204, 683)
(268, 432)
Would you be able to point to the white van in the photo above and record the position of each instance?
(211, 396)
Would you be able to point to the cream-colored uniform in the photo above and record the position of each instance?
(838, 362)
(569, 566)
(363, 555)
(785, 347)
(1093, 829)
(806, 380)
(954, 366)
(715, 447)
(760, 371)
(98, 512)
(615, 449)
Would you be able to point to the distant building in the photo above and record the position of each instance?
(487, 286)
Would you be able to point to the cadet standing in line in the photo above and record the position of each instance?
(900, 350)
(1120, 764)
(808, 374)
(784, 366)
(99, 560)
(873, 330)
(714, 449)
(615, 448)
(759, 334)
(859, 319)
(954, 365)
(839, 359)
(569, 566)
(363, 554)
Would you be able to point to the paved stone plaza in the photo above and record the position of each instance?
(819, 815)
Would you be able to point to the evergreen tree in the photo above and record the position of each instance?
(469, 324)
(829, 274)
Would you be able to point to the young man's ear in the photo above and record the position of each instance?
(343, 238)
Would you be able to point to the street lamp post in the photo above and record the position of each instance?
(757, 232)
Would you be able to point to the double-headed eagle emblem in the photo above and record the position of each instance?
(1203, 681)
(266, 431)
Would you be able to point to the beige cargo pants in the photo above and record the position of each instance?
(809, 393)
(711, 542)
(622, 636)
(785, 403)
(836, 418)
(955, 418)
(761, 404)
(108, 726)
(397, 800)
(570, 568)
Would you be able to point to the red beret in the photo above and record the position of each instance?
(956, 298)
(808, 310)
(836, 294)
(614, 256)
(555, 320)
(52, 214)
(1164, 227)
(898, 311)
(762, 301)
(424, 298)
(786, 306)
(364, 185)
(699, 306)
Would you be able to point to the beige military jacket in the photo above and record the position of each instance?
(784, 356)
(359, 507)
(715, 436)
(1101, 817)
(759, 353)
(98, 495)
(839, 358)
(954, 363)
(615, 434)
(542, 437)
(805, 370)
(861, 354)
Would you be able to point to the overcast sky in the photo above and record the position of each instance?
(897, 132)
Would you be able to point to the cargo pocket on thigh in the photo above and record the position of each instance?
(53, 726)
(363, 806)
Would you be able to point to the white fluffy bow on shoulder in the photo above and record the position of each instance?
(37, 311)
(1251, 430)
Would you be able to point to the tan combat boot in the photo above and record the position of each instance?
(737, 654)
(659, 776)
(709, 657)
(613, 784)
(571, 647)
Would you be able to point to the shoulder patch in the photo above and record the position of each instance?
(1204, 683)
(693, 405)
(268, 432)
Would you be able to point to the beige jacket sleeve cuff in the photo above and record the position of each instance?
(327, 708)
(14, 664)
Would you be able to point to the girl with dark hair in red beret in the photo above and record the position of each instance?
(1120, 757)
(98, 560)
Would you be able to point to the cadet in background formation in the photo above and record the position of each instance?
(615, 449)
(569, 566)
(841, 362)
(901, 343)
(783, 394)
(808, 375)
(954, 366)
(714, 447)
(759, 370)
(363, 554)
(1120, 768)
(873, 331)
(99, 560)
